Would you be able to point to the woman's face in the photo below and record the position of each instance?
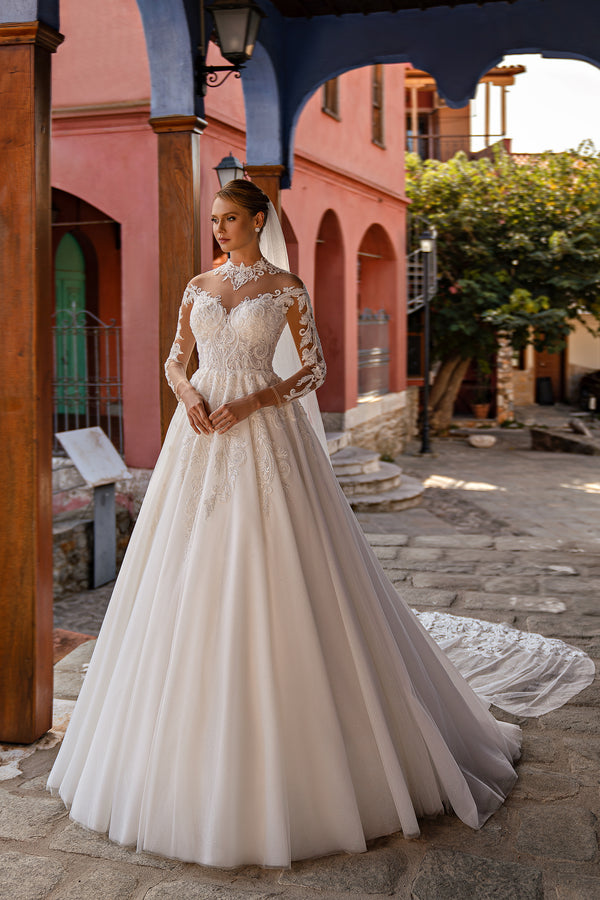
(233, 226)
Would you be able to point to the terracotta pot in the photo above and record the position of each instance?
(480, 410)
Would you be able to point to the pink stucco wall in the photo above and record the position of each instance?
(103, 58)
(106, 153)
(346, 144)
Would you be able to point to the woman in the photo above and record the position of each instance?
(258, 692)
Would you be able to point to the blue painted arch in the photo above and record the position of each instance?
(456, 46)
(46, 11)
(171, 34)
(264, 109)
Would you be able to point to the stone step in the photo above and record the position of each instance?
(355, 461)
(386, 478)
(408, 494)
(337, 440)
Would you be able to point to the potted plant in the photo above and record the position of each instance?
(482, 393)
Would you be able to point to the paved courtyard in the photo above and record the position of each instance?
(503, 534)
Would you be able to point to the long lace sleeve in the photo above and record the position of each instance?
(176, 364)
(312, 374)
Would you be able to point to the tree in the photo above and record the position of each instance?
(518, 252)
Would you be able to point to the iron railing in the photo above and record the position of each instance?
(445, 146)
(415, 287)
(87, 384)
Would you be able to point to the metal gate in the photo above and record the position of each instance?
(87, 385)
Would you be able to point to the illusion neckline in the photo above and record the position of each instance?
(242, 274)
(218, 298)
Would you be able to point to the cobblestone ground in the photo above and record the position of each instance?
(504, 535)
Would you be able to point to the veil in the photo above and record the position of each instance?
(286, 360)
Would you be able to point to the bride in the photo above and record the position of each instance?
(259, 693)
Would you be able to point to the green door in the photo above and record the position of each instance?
(70, 342)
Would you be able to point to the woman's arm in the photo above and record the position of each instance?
(181, 350)
(304, 331)
(176, 368)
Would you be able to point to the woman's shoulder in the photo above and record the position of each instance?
(204, 278)
(287, 279)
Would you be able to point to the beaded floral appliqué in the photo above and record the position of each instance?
(210, 466)
(240, 275)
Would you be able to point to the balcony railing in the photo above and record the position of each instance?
(445, 146)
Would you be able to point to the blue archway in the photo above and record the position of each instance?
(455, 45)
(171, 31)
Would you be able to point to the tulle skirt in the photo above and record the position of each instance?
(259, 692)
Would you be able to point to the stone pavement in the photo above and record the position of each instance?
(503, 534)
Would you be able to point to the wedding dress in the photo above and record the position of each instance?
(259, 692)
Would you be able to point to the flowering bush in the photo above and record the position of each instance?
(518, 252)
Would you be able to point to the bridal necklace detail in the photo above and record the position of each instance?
(242, 274)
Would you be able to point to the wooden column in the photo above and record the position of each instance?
(414, 119)
(179, 229)
(268, 179)
(25, 382)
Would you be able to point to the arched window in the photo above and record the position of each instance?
(377, 292)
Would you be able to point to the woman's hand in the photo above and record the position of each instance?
(232, 412)
(197, 411)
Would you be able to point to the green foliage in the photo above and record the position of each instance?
(518, 246)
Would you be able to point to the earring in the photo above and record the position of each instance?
(257, 228)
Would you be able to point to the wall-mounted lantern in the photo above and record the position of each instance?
(236, 29)
(228, 169)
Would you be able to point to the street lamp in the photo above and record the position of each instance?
(427, 244)
(236, 26)
(228, 169)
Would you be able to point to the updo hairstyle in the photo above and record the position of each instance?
(247, 195)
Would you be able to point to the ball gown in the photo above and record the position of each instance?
(259, 692)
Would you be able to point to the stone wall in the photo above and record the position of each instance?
(505, 402)
(73, 551)
(385, 424)
(73, 510)
(73, 499)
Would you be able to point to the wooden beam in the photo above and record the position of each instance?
(179, 230)
(25, 383)
(414, 118)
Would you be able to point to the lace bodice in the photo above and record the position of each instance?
(236, 334)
